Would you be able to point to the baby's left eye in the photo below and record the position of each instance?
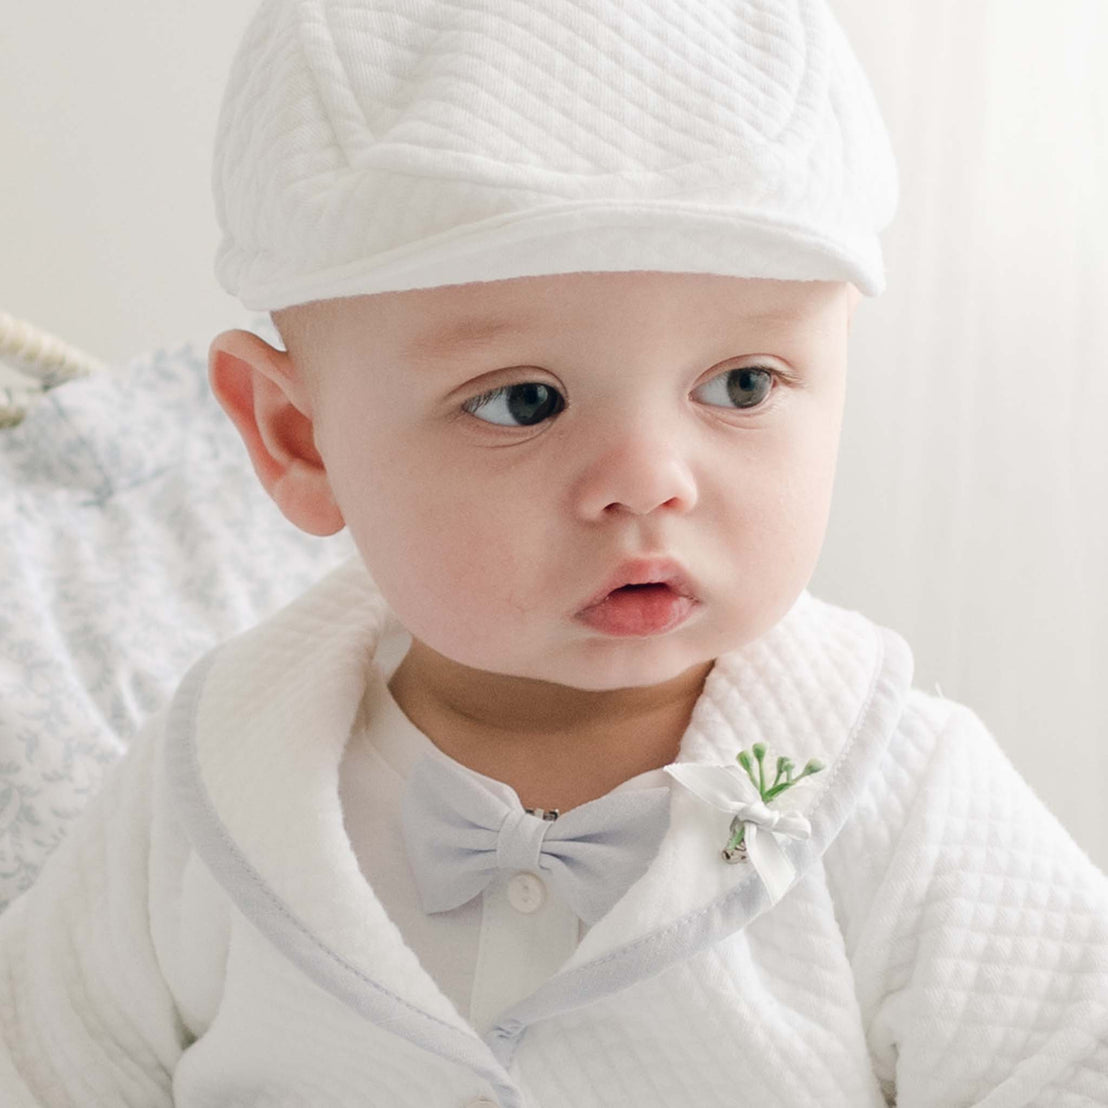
(746, 387)
(517, 405)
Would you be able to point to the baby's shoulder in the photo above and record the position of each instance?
(942, 788)
(933, 740)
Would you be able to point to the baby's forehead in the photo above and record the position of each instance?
(479, 310)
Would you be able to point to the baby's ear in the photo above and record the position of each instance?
(259, 388)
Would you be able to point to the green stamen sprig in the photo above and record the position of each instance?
(785, 768)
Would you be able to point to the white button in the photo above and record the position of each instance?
(526, 893)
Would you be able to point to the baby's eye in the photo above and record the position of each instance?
(517, 405)
(746, 387)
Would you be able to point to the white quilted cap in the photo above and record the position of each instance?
(377, 145)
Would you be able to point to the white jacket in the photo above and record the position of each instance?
(204, 937)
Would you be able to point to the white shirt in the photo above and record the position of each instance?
(500, 946)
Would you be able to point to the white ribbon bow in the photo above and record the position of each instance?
(731, 790)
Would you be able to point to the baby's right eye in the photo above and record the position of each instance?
(516, 405)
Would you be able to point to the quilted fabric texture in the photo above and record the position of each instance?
(367, 146)
(135, 537)
(208, 936)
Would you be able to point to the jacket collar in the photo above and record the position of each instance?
(257, 731)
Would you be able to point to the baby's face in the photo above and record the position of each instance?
(497, 482)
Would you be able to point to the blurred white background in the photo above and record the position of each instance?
(972, 502)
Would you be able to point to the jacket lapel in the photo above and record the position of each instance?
(266, 725)
(824, 683)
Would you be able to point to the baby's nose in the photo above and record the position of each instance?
(638, 474)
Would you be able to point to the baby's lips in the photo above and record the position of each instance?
(646, 571)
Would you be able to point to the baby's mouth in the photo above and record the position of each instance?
(652, 586)
(645, 596)
(645, 577)
(648, 608)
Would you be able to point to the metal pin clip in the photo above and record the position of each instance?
(735, 850)
(543, 813)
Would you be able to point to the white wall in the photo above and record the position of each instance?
(972, 489)
(108, 115)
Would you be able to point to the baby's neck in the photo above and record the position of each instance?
(556, 747)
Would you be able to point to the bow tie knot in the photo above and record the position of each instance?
(459, 835)
(519, 842)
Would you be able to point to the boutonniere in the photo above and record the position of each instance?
(746, 796)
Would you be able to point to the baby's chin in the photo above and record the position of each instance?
(632, 676)
(605, 668)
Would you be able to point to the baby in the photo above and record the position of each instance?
(563, 793)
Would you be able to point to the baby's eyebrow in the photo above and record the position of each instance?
(461, 333)
(470, 333)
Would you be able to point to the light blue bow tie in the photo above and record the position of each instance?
(458, 834)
